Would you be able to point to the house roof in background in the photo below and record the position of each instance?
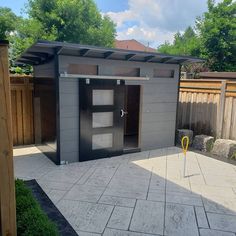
(218, 75)
(133, 44)
(43, 51)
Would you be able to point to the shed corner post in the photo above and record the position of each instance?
(177, 105)
(7, 183)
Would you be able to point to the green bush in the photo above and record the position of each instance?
(31, 220)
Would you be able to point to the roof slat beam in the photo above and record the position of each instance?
(43, 55)
(148, 58)
(108, 54)
(36, 59)
(166, 59)
(84, 52)
(129, 56)
(182, 60)
(27, 62)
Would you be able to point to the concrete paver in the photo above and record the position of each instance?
(222, 222)
(117, 201)
(139, 194)
(148, 217)
(85, 216)
(120, 218)
(201, 217)
(180, 220)
(210, 232)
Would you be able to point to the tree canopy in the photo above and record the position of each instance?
(218, 35)
(7, 22)
(213, 37)
(76, 21)
(186, 43)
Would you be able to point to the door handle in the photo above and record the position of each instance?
(122, 113)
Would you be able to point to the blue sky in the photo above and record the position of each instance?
(150, 21)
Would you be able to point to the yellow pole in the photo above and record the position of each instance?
(185, 144)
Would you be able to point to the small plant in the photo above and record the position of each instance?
(31, 220)
(234, 156)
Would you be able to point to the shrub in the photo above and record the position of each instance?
(31, 220)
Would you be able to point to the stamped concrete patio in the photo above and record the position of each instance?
(138, 194)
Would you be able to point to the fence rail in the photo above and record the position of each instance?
(208, 107)
(22, 109)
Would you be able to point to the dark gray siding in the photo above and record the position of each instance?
(69, 119)
(159, 100)
(45, 71)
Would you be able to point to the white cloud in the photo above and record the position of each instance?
(156, 21)
(146, 35)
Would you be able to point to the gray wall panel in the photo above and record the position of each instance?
(69, 119)
(158, 102)
(69, 146)
(45, 71)
(70, 156)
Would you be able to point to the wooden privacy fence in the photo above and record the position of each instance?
(22, 109)
(208, 107)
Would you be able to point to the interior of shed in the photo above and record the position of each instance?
(132, 118)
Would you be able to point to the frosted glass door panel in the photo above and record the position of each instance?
(103, 97)
(102, 119)
(100, 141)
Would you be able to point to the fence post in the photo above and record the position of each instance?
(222, 109)
(7, 183)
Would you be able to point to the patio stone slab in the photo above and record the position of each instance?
(182, 199)
(63, 175)
(156, 195)
(82, 233)
(117, 201)
(222, 205)
(180, 220)
(148, 217)
(211, 232)
(56, 195)
(222, 222)
(224, 181)
(101, 176)
(54, 185)
(206, 190)
(85, 193)
(86, 216)
(85, 177)
(120, 218)
(116, 232)
(201, 217)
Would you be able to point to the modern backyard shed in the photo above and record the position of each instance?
(93, 102)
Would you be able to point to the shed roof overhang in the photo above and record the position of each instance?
(43, 51)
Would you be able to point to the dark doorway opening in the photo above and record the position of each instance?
(132, 118)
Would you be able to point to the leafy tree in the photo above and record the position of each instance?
(7, 22)
(218, 35)
(77, 21)
(187, 43)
